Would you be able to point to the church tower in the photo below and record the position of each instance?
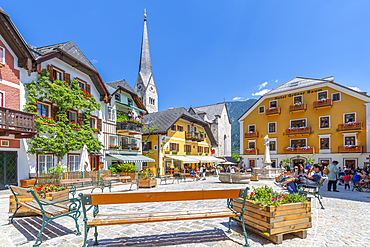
(145, 86)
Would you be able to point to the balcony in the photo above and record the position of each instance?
(298, 131)
(251, 135)
(19, 123)
(350, 149)
(297, 108)
(350, 126)
(129, 147)
(273, 111)
(251, 152)
(303, 150)
(129, 127)
(322, 104)
(193, 136)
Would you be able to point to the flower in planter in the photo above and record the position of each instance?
(350, 146)
(73, 124)
(174, 152)
(48, 188)
(85, 93)
(166, 152)
(272, 108)
(290, 149)
(135, 148)
(298, 103)
(306, 148)
(95, 130)
(250, 132)
(49, 120)
(114, 146)
(187, 152)
(196, 132)
(250, 149)
(200, 153)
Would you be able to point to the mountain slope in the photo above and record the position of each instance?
(236, 109)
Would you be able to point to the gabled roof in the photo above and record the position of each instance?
(165, 119)
(68, 47)
(121, 83)
(212, 111)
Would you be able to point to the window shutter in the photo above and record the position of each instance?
(54, 112)
(185, 148)
(99, 124)
(67, 78)
(80, 119)
(150, 145)
(50, 73)
(170, 146)
(88, 90)
(177, 147)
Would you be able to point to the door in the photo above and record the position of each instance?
(8, 168)
(252, 163)
(350, 164)
(94, 162)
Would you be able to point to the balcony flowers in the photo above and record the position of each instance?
(351, 123)
(135, 148)
(291, 149)
(125, 147)
(95, 130)
(306, 148)
(84, 93)
(200, 153)
(136, 122)
(250, 150)
(167, 152)
(297, 128)
(350, 146)
(187, 153)
(273, 107)
(114, 146)
(48, 120)
(206, 153)
(174, 152)
(323, 100)
(297, 103)
(250, 132)
(48, 188)
(201, 133)
(196, 132)
(73, 124)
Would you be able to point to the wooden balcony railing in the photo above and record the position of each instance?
(304, 150)
(20, 123)
(190, 135)
(323, 104)
(350, 149)
(298, 131)
(350, 126)
(129, 127)
(301, 107)
(274, 111)
(251, 135)
(251, 151)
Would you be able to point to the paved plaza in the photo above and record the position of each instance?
(344, 222)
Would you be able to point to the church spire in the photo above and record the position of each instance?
(145, 68)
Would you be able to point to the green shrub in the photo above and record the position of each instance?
(123, 167)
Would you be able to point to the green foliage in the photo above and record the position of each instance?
(310, 161)
(286, 164)
(58, 168)
(145, 175)
(235, 157)
(61, 138)
(123, 167)
(266, 196)
(122, 117)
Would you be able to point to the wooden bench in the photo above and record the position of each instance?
(314, 190)
(165, 178)
(49, 210)
(108, 182)
(184, 176)
(101, 219)
(86, 183)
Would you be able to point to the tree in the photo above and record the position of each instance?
(65, 136)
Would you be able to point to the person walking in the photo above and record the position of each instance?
(333, 176)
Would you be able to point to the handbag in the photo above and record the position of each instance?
(326, 171)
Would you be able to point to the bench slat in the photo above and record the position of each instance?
(166, 196)
(74, 181)
(100, 220)
(50, 210)
(22, 191)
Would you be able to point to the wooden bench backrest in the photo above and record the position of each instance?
(167, 196)
(20, 190)
(78, 180)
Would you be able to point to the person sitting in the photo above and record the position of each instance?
(358, 178)
(308, 180)
(299, 172)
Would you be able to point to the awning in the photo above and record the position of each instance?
(131, 158)
(205, 159)
(182, 158)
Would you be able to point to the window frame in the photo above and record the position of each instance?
(325, 91)
(300, 96)
(271, 101)
(290, 141)
(119, 97)
(250, 125)
(344, 116)
(173, 128)
(340, 97)
(3, 56)
(2, 99)
(349, 135)
(38, 162)
(113, 114)
(301, 119)
(180, 128)
(328, 150)
(49, 105)
(59, 71)
(96, 121)
(69, 162)
(328, 116)
(74, 112)
(109, 140)
(254, 143)
(268, 127)
(144, 164)
(263, 107)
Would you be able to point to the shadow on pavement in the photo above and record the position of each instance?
(30, 227)
(166, 239)
(345, 194)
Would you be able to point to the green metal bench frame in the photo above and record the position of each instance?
(86, 206)
(108, 184)
(184, 177)
(73, 188)
(164, 178)
(301, 190)
(74, 210)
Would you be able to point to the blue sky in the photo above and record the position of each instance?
(206, 51)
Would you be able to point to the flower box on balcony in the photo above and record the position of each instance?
(350, 126)
(298, 131)
(200, 153)
(300, 150)
(250, 151)
(298, 107)
(114, 146)
(167, 152)
(273, 111)
(188, 153)
(350, 149)
(136, 148)
(251, 134)
(323, 103)
(95, 131)
(174, 152)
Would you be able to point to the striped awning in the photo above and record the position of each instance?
(194, 158)
(182, 158)
(131, 158)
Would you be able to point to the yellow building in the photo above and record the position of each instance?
(180, 140)
(308, 118)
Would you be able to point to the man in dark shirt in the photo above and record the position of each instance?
(309, 180)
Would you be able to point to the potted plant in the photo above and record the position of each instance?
(200, 153)
(146, 181)
(96, 131)
(196, 132)
(114, 146)
(167, 152)
(74, 125)
(187, 152)
(47, 120)
(174, 152)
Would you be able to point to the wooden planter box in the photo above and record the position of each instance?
(25, 183)
(254, 178)
(52, 196)
(273, 222)
(147, 183)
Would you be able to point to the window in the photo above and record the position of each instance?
(124, 141)
(194, 147)
(93, 122)
(252, 128)
(298, 123)
(72, 116)
(4, 143)
(195, 128)
(111, 114)
(174, 147)
(155, 147)
(336, 97)
(2, 99)
(117, 97)
(293, 84)
(173, 127)
(298, 143)
(324, 143)
(145, 164)
(129, 102)
(134, 142)
(272, 127)
(272, 145)
(261, 109)
(45, 163)
(2, 55)
(147, 146)
(187, 148)
(297, 100)
(57, 75)
(112, 140)
(200, 149)
(151, 101)
(273, 104)
(324, 122)
(74, 162)
(252, 145)
(43, 110)
(322, 95)
(206, 150)
(82, 85)
(350, 140)
(351, 117)
(180, 128)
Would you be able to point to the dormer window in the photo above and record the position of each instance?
(293, 84)
(129, 102)
(117, 97)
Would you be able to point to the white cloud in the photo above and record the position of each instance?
(262, 85)
(276, 80)
(238, 98)
(355, 88)
(94, 61)
(260, 93)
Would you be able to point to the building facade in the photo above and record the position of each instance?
(178, 139)
(308, 118)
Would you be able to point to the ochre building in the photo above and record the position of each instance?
(308, 118)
